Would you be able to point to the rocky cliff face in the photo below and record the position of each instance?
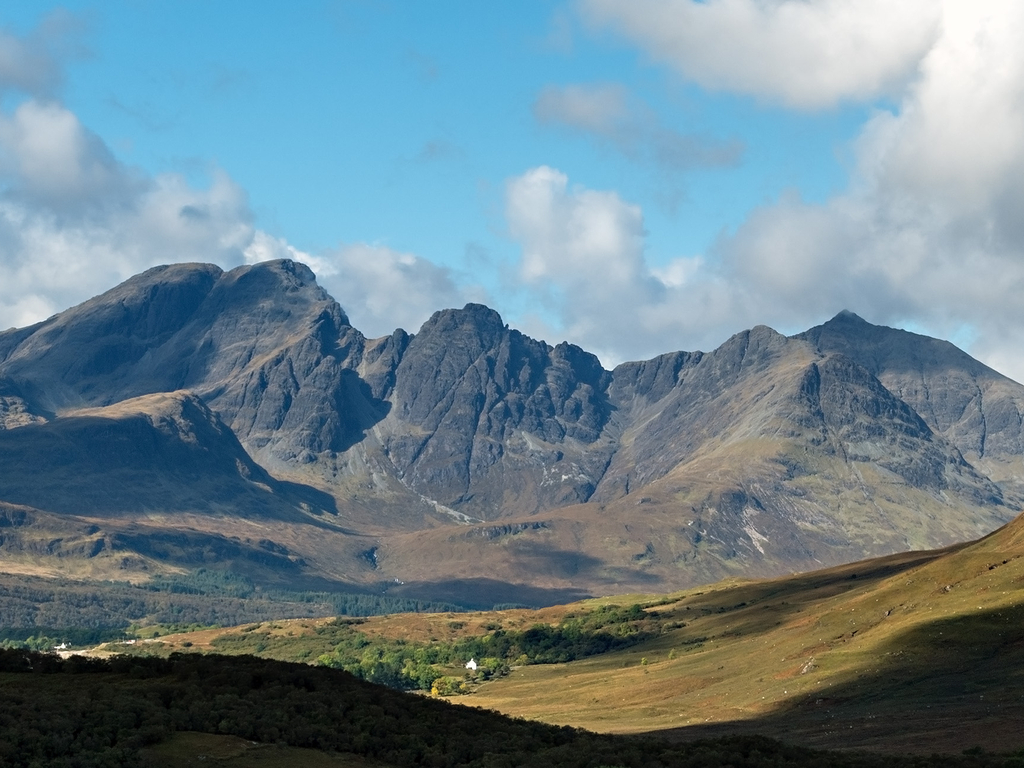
(489, 421)
(767, 454)
(977, 409)
(255, 344)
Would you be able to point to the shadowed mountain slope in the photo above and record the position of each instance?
(158, 484)
(155, 453)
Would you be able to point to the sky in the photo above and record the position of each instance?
(633, 176)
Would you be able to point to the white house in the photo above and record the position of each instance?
(471, 664)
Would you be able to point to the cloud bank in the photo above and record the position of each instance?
(929, 232)
(803, 54)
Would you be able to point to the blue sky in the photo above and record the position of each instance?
(636, 177)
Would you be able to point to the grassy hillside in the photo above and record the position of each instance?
(919, 652)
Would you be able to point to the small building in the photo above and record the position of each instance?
(471, 664)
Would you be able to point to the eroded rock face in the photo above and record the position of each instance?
(980, 411)
(14, 410)
(487, 418)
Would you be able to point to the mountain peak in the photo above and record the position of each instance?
(296, 269)
(846, 316)
(480, 312)
(476, 316)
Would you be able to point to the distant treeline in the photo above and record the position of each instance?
(91, 713)
(205, 597)
(46, 638)
(227, 584)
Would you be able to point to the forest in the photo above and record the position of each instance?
(204, 596)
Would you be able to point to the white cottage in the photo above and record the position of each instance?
(471, 664)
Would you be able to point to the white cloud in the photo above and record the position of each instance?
(803, 54)
(379, 288)
(48, 158)
(583, 254)
(930, 231)
(608, 112)
(576, 238)
(74, 221)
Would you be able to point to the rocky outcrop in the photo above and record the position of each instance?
(14, 410)
(489, 421)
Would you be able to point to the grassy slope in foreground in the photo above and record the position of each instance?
(921, 651)
(915, 652)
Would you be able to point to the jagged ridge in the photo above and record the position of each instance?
(767, 454)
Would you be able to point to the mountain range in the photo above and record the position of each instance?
(192, 417)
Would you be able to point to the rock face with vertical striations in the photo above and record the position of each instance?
(487, 420)
(980, 411)
(469, 454)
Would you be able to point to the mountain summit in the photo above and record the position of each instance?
(469, 456)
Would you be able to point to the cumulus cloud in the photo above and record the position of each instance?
(74, 220)
(380, 288)
(583, 254)
(930, 231)
(48, 159)
(803, 54)
(606, 111)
